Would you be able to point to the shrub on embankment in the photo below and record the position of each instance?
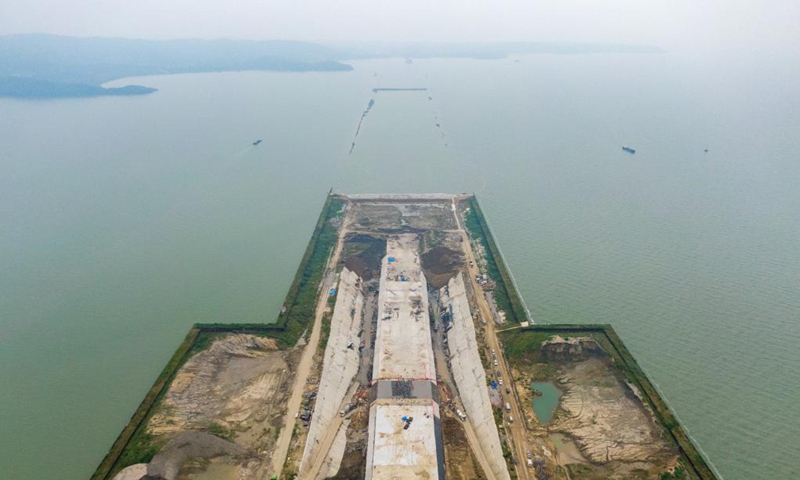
(133, 445)
(505, 294)
(301, 300)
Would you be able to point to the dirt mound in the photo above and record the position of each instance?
(186, 446)
(440, 264)
(166, 465)
(363, 255)
(233, 381)
(559, 349)
(236, 389)
(357, 266)
(134, 472)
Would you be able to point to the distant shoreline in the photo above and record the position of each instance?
(33, 89)
(40, 66)
(376, 90)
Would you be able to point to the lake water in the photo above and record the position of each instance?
(123, 221)
(544, 405)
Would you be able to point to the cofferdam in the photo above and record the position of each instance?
(402, 351)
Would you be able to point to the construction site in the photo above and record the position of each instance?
(399, 371)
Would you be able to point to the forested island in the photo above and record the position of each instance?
(52, 66)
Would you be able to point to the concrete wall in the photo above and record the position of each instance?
(470, 376)
(340, 364)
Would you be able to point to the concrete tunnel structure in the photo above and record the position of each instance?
(405, 430)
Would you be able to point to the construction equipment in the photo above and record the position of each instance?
(407, 421)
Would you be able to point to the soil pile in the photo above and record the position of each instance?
(227, 402)
(440, 264)
(559, 349)
(363, 255)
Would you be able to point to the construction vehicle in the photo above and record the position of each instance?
(407, 421)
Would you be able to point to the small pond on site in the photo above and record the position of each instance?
(544, 405)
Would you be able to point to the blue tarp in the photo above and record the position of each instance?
(494, 384)
(391, 259)
(332, 292)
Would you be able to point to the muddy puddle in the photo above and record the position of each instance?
(566, 450)
(544, 405)
(218, 471)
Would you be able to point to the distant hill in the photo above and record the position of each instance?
(33, 88)
(52, 66)
(55, 66)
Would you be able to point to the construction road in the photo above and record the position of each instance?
(307, 359)
(516, 431)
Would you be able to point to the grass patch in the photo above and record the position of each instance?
(216, 429)
(505, 295)
(522, 346)
(142, 449)
(301, 301)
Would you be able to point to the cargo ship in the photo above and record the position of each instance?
(628, 149)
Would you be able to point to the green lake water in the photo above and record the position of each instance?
(544, 405)
(123, 221)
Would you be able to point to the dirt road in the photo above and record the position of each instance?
(306, 361)
(516, 430)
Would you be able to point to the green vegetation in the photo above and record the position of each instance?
(301, 300)
(678, 474)
(577, 469)
(142, 449)
(220, 431)
(505, 295)
(520, 347)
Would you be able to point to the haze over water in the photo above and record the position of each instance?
(126, 220)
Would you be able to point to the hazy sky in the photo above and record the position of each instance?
(669, 23)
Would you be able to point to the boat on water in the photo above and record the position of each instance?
(256, 142)
(628, 149)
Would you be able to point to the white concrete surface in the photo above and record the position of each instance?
(336, 453)
(403, 347)
(470, 376)
(394, 453)
(340, 363)
(401, 196)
